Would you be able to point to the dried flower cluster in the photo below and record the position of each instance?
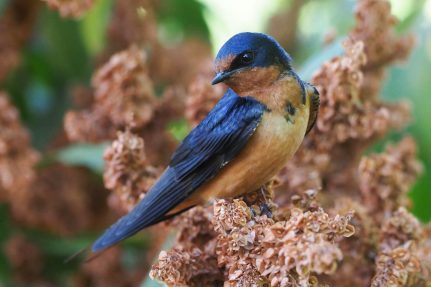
(107, 271)
(123, 97)
(355, 231)
(16, 25)
(61, 199)
(385, 178)
(25, 259)
(253, 250)
(398, 262)
(17, 157)
(202, 97)
(70, 8)
(133, 22)
(351, 116)
(300, 245)
(128, 173)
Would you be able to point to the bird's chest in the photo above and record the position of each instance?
(269, 149)
(277, 139)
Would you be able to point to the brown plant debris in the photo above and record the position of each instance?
(16, 26)
(64, 200)
(202, 97)
(256, 250)
(132, 22)
(351, 116)
(70, 8)
(385, 178)
(25, 259)
(107, 271)
(17, 157)
(123, 97)
(398, 262)
(128, 174)
(190, 268)
(375, 27)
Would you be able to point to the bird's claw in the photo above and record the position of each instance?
(264, 209)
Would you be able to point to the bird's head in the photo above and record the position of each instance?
(250, 60)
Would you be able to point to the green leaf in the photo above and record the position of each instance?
(64, 46)
(179, 129)
(3, 4)
(88, 155)
(179, 18)
(93, 26)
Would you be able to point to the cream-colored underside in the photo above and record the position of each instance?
(270, 148)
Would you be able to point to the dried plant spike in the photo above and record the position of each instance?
(128, 174)
(123, 90)
(17, 157)
(385, 178)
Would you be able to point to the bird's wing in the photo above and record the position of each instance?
(202, 154)
(314, 108)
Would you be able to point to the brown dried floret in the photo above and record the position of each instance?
(202, 97)
(375, 27)
(280, 253)
(133, 22)
(230, 215)
(123, 89)
(195, 229)
(16, 25)
(70, 8)
(384, 179)
(343, 115)
(17, 157)
(127, 173)
(357, 266)
(123, 97)
(82, 96)
(424, 249)
(179, 64)
(301, 245)
(64, 200)
(398, 262)
(347, 124)
(25, 259)
(86, 126)
(105, 271)
(178, 267)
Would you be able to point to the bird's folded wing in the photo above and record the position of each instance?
(202, 154)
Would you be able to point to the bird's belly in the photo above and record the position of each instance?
(273, 144)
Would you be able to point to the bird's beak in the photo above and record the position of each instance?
(221, 76)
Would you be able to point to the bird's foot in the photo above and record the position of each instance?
(261, 209)
(264, 209)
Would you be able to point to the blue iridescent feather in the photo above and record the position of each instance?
(216, 141)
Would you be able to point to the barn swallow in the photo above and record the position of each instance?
(248, 137)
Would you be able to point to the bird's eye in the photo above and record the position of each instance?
(247, 57)
(242, 60)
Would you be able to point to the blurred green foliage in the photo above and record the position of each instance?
(61, 54)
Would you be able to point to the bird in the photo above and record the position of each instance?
(246, 139)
